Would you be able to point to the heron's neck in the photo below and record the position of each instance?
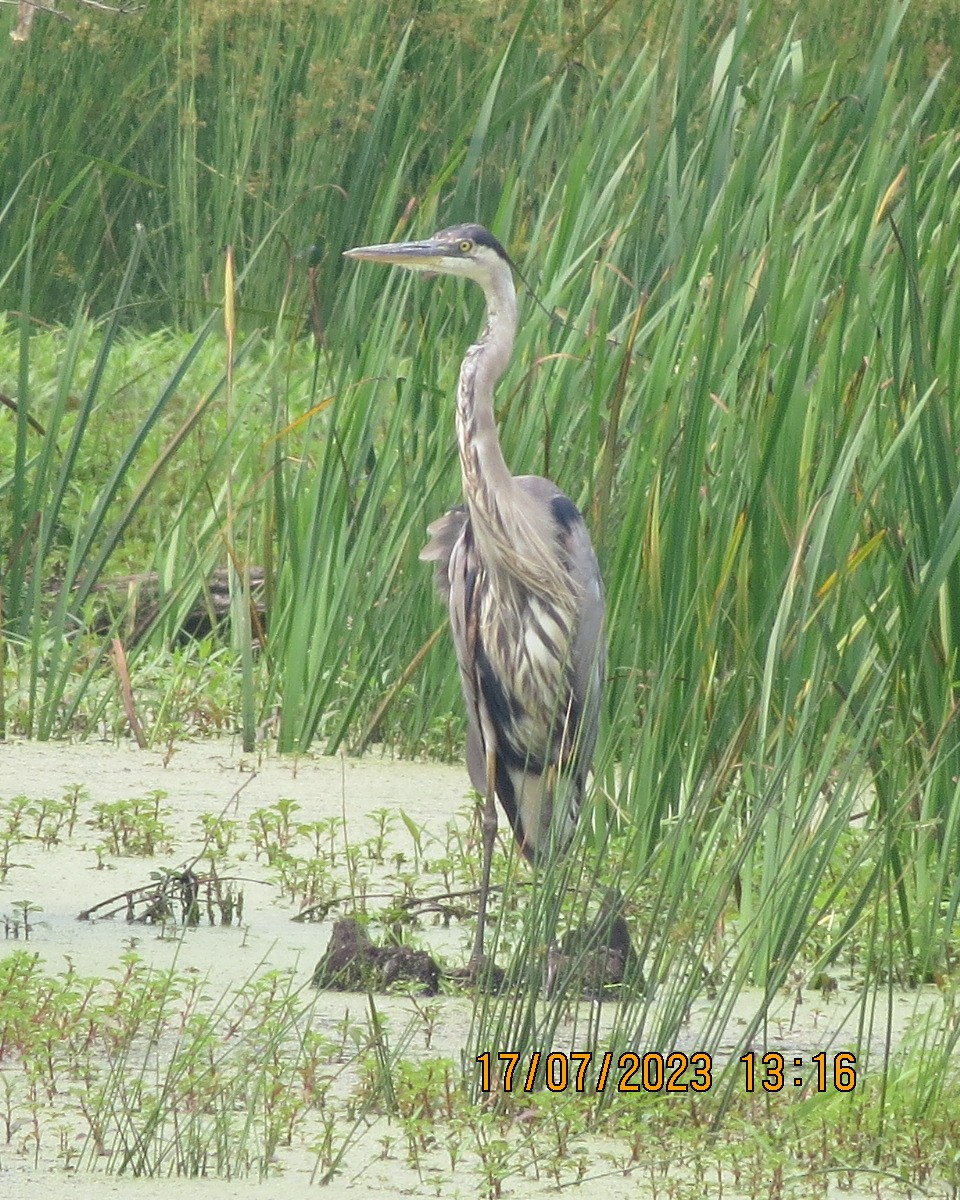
(486, 476)
(512, 543)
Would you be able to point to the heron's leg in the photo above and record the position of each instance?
(488, 828)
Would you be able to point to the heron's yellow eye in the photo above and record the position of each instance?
(466, 246)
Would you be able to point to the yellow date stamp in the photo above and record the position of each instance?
(676, 1071)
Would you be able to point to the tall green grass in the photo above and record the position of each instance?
(213, 124)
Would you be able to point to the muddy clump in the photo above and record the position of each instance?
(352, 963)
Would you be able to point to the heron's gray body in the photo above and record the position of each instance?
(519, 574)
(532, 700)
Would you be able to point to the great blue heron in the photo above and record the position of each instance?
(519, 574)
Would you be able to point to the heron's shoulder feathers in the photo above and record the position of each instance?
(565, 521)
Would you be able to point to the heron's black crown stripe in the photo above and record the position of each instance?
(476, 233)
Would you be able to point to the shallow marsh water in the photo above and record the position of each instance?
(215, 778)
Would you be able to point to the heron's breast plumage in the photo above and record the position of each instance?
(526, 647)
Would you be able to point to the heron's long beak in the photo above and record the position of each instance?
(421, 256)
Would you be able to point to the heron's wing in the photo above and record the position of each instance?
(588, 651)
(451, 547)
(588, 656)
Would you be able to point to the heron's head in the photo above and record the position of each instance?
(467, 250)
